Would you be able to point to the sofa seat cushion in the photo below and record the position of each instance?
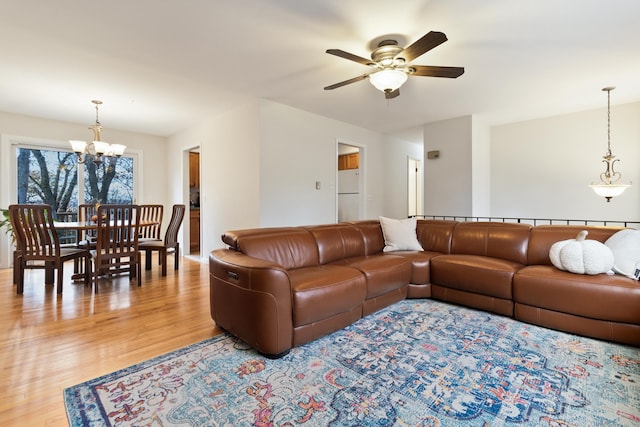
(325, 291)
(476, 274)
(384, 273)
(604, 297)
(420, 265)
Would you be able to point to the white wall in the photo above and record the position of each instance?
(397, 153)
(481, 168)
(229, 173)
(297, 149)
(150, 149)
(260, 164)
(542, 168)
(448, 180)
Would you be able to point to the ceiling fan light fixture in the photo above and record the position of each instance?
(388, 80)
(390, 64)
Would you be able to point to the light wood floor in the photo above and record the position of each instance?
(49, 342)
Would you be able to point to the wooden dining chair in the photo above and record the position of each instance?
(151, 214)
(86, 213)
(85, 238)
(170, 243)
(38, 241)
(116, 249)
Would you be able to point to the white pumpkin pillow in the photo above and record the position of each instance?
(581, 256)
(625, 245)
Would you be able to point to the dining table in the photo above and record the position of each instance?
(90, 225)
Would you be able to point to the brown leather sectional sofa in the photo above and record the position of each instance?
(278, 288)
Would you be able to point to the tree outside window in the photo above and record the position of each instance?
(109, 182)
(51, 177)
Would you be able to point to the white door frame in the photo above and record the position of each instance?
(415, 187)
(186, 200)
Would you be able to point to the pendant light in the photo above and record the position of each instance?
(608, 186)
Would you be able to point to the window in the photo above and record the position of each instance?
(54, 177)
(109, 182)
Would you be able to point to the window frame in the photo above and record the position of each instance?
(53, 145)
(9, 143)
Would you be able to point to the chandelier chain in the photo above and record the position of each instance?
(608, 121)
(97, 104)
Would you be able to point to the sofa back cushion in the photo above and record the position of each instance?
(371, 234)
(289, 247)
(435, 235)
(543, 236)
(508, 241)
(337, 241)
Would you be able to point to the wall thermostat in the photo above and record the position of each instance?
(435, 154)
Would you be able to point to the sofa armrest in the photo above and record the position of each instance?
(251, 298)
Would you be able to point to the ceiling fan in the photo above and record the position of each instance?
(391, 64)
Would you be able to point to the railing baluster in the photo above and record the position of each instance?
(533, 221)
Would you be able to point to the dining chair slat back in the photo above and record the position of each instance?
(37, 240)
(170, 243)
(177, 216)
(87, 213)
(151, 214)
(116, 251)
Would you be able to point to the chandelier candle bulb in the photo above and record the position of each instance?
(101, 147)
(118, 149)
(78, 146)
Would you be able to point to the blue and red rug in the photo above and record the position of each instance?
(416, 363)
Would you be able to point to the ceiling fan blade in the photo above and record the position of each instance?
(391, 94)
(432, 71)
(350, 56)
(423, 45)
(347, 82)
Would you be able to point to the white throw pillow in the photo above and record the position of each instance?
(581, 256)
(400, 234)
(625, 245)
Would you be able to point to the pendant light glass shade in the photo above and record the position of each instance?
(388, 80)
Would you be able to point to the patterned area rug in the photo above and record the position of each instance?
(416, 363)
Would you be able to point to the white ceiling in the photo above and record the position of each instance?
(161, 66)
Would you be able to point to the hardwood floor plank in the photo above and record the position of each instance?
(50, 342)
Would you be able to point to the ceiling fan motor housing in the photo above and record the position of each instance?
(385, 54)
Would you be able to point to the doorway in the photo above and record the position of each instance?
(414, 187)
(350, 182)
(194, 202)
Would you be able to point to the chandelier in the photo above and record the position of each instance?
(96, 148)
(608, 186)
